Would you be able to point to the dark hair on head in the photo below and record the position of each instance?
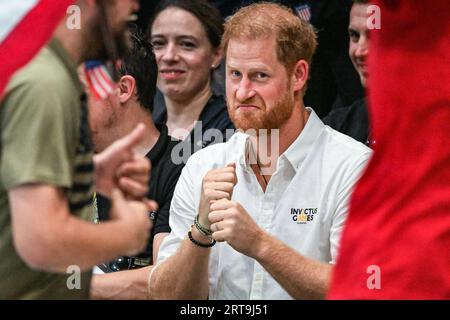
(140, 63)
(208, 15)
(361, 1)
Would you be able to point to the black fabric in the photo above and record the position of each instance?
(227, 7)
(83, 189)
(145, 11)
(163, 179)
(352, 120)
(213, 116)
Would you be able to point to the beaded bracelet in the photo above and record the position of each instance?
(209, 245)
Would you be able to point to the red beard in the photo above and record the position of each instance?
(274, 118)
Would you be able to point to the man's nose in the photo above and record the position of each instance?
(245, 90)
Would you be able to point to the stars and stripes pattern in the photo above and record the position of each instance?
(98, 79)
(304, 12)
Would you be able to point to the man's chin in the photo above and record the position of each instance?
(252, 127)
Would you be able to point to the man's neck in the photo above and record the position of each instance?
(275, 144)
(127, 123)
(72, 42)
(290, 131)
(151, 135)
(270, 147)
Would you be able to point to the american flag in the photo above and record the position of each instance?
(304, 12)
(20, 19)
(98, 79)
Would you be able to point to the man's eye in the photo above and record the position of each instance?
(235, 74)
(261, 76)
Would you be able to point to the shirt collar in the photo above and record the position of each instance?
(299, 149)
(57, 49)
(302, 146)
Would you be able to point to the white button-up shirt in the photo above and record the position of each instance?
(304, 206)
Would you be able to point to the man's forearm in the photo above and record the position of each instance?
(48, 237)
(185, 274)
(301, 277)
(77, 242)
(123, 285)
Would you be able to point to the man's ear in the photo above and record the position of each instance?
(300, 75)
(127, 88)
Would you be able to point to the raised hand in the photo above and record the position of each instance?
(217, 184)
(230, 222)
(119, 166)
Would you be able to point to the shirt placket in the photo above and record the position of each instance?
(266, 203)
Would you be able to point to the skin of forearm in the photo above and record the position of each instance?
(301, 277)
(123, 285)
(80, 243)
(184, 276)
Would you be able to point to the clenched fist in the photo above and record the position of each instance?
(217, 184)
(230, 222)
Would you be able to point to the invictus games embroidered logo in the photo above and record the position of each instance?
(303, 216)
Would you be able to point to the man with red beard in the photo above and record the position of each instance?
(275, 195)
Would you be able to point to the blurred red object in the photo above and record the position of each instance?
(396, 242)
(26, 26)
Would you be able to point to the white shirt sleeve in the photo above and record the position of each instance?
(342, 206)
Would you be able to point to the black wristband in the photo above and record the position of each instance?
(209, 245)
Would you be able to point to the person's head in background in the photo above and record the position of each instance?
(103, 26)
(359, 38)
(132, 102)
(185, 35)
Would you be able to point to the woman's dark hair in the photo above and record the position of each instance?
(208, 15)
(140, 63)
